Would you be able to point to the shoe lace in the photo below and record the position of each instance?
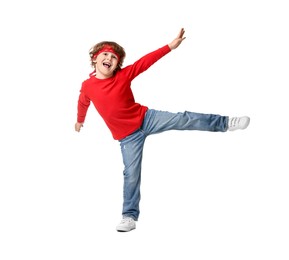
(126, 219)
(234, 121)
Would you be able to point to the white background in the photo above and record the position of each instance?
(204, 195)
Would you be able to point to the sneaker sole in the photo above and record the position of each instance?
(125, 230)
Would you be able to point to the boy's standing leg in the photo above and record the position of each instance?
(132, 150)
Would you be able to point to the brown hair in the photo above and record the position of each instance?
(116, 47)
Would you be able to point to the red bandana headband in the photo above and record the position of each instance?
(106, 48)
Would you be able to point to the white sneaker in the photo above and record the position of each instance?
(236, 123)
(126, 224)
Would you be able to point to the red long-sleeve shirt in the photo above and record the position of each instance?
(113, 97)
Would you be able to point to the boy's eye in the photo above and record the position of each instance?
(112, 56)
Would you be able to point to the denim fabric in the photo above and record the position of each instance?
(156, 122)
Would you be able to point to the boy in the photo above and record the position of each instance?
(109, 89)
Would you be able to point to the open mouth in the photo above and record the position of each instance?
(107, 65)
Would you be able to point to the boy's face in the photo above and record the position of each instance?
(105, 64)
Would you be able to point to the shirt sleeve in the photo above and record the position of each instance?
(82, 107)
(146, 61)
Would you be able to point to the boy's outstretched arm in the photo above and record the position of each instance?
(177, 41)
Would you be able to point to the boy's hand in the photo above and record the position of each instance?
(177, 41)
(78, 126)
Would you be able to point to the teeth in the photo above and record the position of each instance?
(106, 65)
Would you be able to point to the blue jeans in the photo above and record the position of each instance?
(156, 122)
